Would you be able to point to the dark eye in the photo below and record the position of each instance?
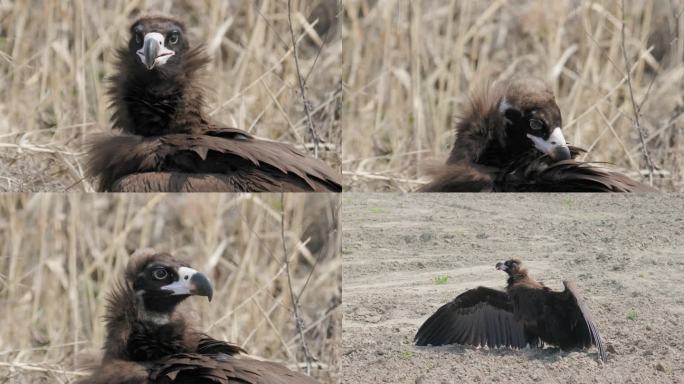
(536, 125)
(160, 274)
(173, 39)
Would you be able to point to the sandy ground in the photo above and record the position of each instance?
(626, 254)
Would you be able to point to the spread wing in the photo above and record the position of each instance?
(537, 174)
(222, 369)
(586, 332)
(480, 316)
(220, 160)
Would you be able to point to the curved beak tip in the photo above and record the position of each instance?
(554, 146)
(201, 286)
(560, 153)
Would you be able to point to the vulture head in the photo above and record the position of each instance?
(149, 341)
(158, 44)
(517, 118)
(155, 89)
(162, 283)
(532, 119)
(513, 267)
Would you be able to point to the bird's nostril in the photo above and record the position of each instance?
(553, 142)
(186, 277)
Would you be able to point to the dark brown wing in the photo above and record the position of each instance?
(537, 174)
(589, 334)
(208, 345)
(460, 177)
(220, 160)
(112, 371)
(222, 369)
(480, 316)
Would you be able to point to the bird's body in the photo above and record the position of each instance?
(168, 141)
(149, 341)
(526, 314)
(510, 140)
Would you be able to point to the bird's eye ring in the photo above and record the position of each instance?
(160, 274)
(536, 125)
(173, 39)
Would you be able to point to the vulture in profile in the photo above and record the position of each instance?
(148, 340)
(169, 144)
(510, 140)
(526, 314)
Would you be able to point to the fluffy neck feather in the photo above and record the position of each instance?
(152, 103)
(128, 322)
(520, 277)
(480, 131)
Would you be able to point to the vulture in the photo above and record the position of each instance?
(526, 314)
(510, 140)
(148, 340)
(167, 141)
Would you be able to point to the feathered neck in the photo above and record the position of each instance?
(480, 132)
(126, 318)
(520, 276)
(162, 101)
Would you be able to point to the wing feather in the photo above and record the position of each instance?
(595, 336)
(222, 369)
(534, 173)
(480, 317)
(230, 162)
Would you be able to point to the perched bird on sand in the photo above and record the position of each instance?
(526, 314)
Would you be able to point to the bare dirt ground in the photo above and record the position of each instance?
(626, 254)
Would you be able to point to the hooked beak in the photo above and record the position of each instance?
(190, 282)
(501, 266)
(154, 53)
(555, 146)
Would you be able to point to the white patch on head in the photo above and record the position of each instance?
(156, 318)
(501, 265)
(556, 139)
(182, 286)
(163, 54)
(503, 107)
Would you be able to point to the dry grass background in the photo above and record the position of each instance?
(61, 255)
(55, 56)
(410, 65)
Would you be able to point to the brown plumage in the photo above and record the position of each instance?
(149, 341)
(526, 314)
(168, 143)
(510, 140)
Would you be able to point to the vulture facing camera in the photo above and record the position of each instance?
(511, 140)
(526, 314)
(149, 342)
(169, 144)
